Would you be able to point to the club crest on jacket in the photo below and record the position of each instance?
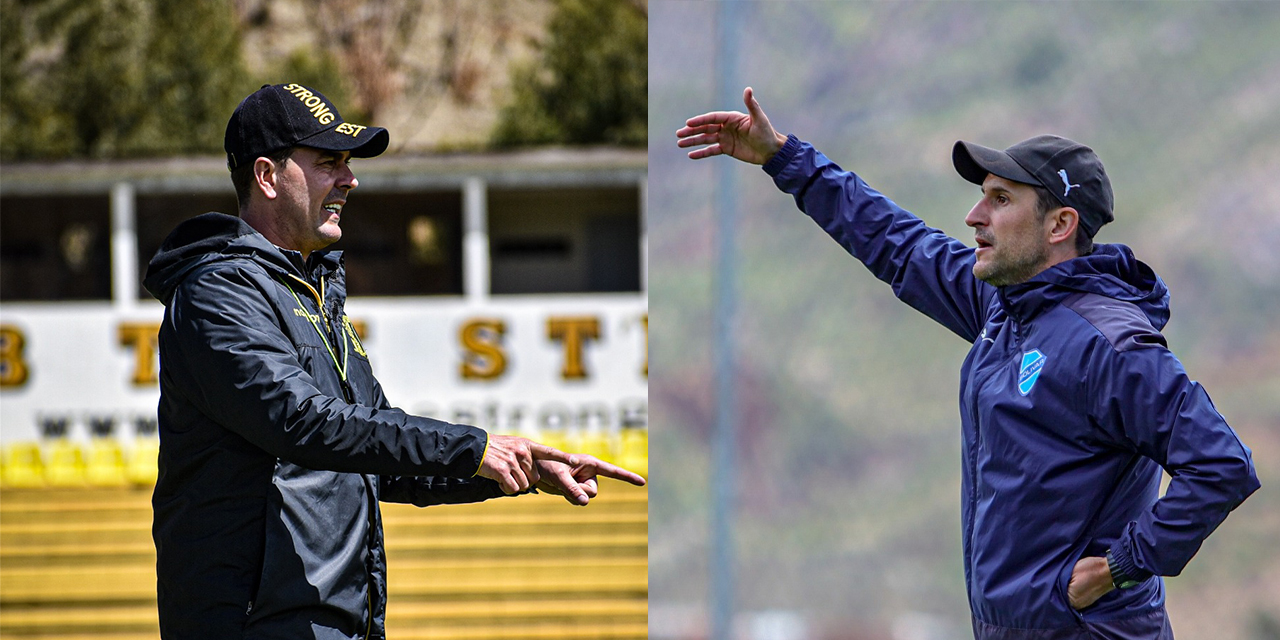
(1032, 363)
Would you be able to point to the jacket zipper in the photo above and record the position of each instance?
(349, 395)
(975, 388)
(973, 483)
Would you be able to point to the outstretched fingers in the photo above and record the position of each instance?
(608, 470)
(706, 152)
(714, 117)
(690, 136)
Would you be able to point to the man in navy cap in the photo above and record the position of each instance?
(276, 441)
(1071, 403)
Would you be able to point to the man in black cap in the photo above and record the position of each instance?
(1071, 403)
(276, 441)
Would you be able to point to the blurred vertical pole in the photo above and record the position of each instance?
(475, 240)
(724, 440)
(124, 247)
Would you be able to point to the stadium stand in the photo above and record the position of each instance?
(77, 562)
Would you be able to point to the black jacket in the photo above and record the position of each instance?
(272, 459)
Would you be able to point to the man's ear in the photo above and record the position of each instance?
(266, 175)
(1062, 224)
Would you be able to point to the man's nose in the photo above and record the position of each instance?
(347, 181)
(977, 216)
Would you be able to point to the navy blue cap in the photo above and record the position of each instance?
(1070, 171)
(279, 116)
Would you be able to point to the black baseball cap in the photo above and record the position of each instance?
(1070, 171)
(279, 116)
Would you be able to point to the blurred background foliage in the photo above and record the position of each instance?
(849, 461)
(105, 79)
(590, 86)
(117, 78)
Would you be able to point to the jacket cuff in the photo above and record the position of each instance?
(779, 161)
(1122, 562)
(480, 464)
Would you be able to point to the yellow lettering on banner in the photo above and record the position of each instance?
(360, 327)
(144, 337)
(13, 366)
(645, 319)
(483, 357)
(573, 332)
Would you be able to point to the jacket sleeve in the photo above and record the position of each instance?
(240, 369)
(425, 491)
(927, 269)
(1149, 405)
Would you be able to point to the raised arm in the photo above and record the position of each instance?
(927, 269)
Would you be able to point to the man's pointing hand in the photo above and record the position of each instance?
(578, 483)
(746, 136)
(511, 462)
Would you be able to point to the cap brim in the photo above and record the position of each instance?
(371, 141)
(973, 162)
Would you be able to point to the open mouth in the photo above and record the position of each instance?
(982, 244)
(334, 208)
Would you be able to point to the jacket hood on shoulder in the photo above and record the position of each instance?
(1111, 271)
(207, 238)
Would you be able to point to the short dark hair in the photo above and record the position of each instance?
(1046, 202)
(242, 176)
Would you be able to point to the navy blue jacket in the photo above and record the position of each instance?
(1070, 405)
(276, 444)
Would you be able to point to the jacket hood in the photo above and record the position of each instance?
(211, 237)
(1111, 271)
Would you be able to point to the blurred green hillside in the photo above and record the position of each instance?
(849, 459)
(104, 79)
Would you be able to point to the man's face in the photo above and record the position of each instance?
(312, 188)
(1013, 244)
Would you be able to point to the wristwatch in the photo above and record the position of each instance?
(1119, 579)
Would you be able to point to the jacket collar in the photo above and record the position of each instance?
(1111, 271)
(216, 236)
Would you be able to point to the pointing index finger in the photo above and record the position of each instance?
(618, 473)
(543, 452)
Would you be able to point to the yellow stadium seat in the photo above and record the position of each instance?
(105, 467)
(635, 450)
(23, 466)
(141, 468)
(65, 467)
